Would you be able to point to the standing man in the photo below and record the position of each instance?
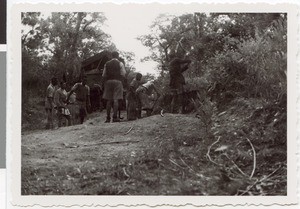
(82, 97)
(131, 97)
(49, 102)
(136, 82)
(113, 77)
(177, 82)
(61, 103)
(74, 110)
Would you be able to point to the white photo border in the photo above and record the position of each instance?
(14, 112)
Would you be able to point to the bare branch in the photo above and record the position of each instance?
(173, 161)
(254, 158)
(187, 165)
(129, 130)
(87, 24)
(126, 174)
(260, 180)
(240, 170)
(208, 151)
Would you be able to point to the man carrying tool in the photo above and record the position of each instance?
(144, 95)
(177, 81)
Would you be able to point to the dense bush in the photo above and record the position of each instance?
(230, 59)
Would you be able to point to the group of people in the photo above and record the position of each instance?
(140, 95)
(71, 106)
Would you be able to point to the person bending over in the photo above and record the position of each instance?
(144, 94)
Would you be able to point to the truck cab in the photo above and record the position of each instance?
(92, 68)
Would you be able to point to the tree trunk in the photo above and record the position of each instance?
(73, 55)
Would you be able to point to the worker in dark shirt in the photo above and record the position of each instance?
(113, 77)
(177, 82)
(82, 91)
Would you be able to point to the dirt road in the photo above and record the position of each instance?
(67, 160)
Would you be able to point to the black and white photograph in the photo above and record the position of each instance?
(154, 102)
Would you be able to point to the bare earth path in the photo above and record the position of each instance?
(73, 160)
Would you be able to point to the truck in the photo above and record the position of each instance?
(92, 68)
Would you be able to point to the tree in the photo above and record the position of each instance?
(221, 46)
(55, 45)
(73, 37)
(31, 44)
